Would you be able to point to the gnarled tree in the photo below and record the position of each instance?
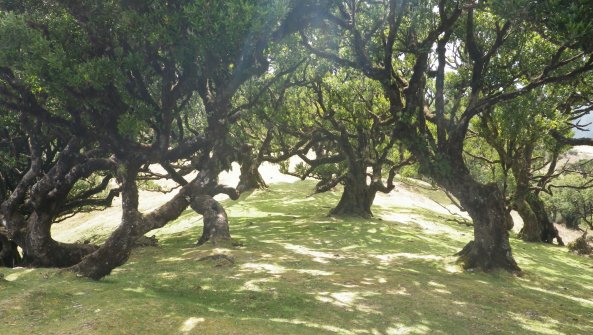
(404, 45)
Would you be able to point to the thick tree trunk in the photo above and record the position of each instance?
(250, 178)
(41, 250)
(537, 226)
(114, 252)
(490, 248)
(531, 231)
(54, 254)
(485, 204)
(357, 198)
(216, 223)
(33, 236)
(9, 254)
(546, 228)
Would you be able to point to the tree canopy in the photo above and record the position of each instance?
(94, 94)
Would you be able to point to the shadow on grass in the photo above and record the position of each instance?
(302, 272)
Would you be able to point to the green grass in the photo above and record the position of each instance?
(301, 272)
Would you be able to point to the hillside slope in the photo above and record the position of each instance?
(298, 271)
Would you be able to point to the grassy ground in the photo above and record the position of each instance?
(301, 272)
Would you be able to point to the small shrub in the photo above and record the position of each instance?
(582, 245)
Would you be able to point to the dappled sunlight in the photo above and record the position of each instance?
(314, 272)
(168, 275)
(452, 268)
(400, 329)
(389, 258)
(349, 300)
(189, 324)
(430, 227)
(439, 288)
(319, 326)
(136, 289)
(583, 302)
(263, 267)
(317, 256)
(17, 275)
(533, 322)
(172, 259)
(299, 271)
(255, 284)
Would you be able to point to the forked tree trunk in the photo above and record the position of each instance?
(216, 223)
(41, 250)
(117, 249)
(357, 198)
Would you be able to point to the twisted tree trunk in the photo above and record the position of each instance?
(485, 204)
(41, 250)
(216, 223)
(118, 247)
(250, 178)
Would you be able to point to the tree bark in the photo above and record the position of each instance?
(490, 248)
(357, 198)
(117, 249)
(531, 231)
(41, 250)
(216, 223)
(537, 227)
(485, 204)
(9, 254)
(548, 231)
(250, 178)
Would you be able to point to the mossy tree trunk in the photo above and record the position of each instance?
(41, 250)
